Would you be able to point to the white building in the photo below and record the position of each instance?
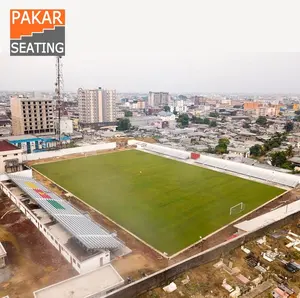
(96, 283)
(96, 105)
(66, 125)
(3, 255)
(178, 106)
(11, 157)
(90, 105)
(109, 105)
(166, 116)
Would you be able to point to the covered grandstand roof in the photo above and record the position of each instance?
(87, 232)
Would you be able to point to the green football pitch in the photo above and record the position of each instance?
(167, 203)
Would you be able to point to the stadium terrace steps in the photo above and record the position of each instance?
(167, 151)
(250, 171)
(87, 232)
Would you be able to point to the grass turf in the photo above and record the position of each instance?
(168, 204)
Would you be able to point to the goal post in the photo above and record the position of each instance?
(238, 208)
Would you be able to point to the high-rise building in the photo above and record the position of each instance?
(96, 105)
(32, 116)
(158, 99)
(109, 110)
(89, 101)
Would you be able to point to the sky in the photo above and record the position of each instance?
(178, 46)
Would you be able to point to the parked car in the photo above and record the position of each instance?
(292, 267)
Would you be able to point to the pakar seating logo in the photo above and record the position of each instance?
(37, 32)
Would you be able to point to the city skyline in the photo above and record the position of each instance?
(180, 50)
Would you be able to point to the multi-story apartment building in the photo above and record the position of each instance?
(158, 99)
(96, 105)
(32, 116)
(109, 110)
(90, 105)
(261, 109)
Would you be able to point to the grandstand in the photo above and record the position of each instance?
(82, 242)
(175, 153)
(250, 171)
(87, 233)
(245, 170)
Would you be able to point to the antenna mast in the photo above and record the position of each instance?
(58, 91)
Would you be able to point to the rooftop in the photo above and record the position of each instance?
(35, 99)
(2, 251)
(5, 146)
(165, 114)
(85, 285)
(21, 137)
(295, 159)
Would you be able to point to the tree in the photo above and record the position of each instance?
(262, 121)
(123, 124)
(182, 97)
(297, 112)
(206, 121)
(221, 148)
(175, 112)
(289, 126)
(128, 113)
(297, 118)
(278, 159)
(197, 120)
(183, 119)
(213, 114)
(213, 124)
(167, 109)
(256, 150)
(224, 142)
(289, 151)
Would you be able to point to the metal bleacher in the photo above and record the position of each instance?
(86, 231)
(250, 171)
(167, 151)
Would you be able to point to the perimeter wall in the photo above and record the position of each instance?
(63, 152)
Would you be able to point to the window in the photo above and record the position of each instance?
(4, 155)
(16, 154)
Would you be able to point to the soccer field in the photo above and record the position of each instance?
(168, 204)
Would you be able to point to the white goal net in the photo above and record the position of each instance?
(238, 208)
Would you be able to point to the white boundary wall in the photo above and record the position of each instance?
(81, 267)
(69, 151)
(245, 170)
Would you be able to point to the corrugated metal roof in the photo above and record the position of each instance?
(90, 234)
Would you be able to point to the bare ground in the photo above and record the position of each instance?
(32, 261)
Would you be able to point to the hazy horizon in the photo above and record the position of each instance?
(176, 46)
